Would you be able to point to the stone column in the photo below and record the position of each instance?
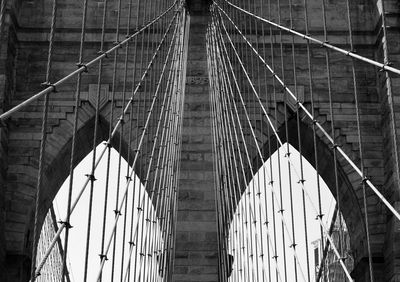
(196, 241)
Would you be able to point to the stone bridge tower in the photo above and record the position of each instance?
(24, 30)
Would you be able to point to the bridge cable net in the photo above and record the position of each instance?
(144, 120)
(250, 96)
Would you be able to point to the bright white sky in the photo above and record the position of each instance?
(76, 251)
(258, 212)
(77, 241)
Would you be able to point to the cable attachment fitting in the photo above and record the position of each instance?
(66, 224)
(84, 66)
(47, 84)
(320, 216)
(365, 179)
(335, 146)
(121, 120)
(128, 178)
(117, 212)
(293, 246)
(387, 64)
(91, 177)
(131, 243)
(301, 181)
(103, 257)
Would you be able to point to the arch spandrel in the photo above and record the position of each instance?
(350, 188)
(58, 149)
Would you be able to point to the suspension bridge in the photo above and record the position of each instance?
(199, 140)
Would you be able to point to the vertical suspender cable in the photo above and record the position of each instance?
(121, 133)
(359, 133)
(91, 176)
(43, 137)
(74, 133)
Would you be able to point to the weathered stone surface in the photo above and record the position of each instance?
(23, 55)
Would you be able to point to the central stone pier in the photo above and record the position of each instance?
(196, 256)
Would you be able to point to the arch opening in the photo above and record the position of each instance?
(258, 233)
(139, 230)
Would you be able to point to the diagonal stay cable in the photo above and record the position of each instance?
(287, 156)
(84, 66)
(227, 83)
(120, 121)
(262, 158)
(145, 129)
(382, 66)
(324, 132)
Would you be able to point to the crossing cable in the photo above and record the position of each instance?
(288, 158)
(234, 127)
(145, 221)
(216, 166)
(382, 66)
(135, 235)
(74, 133)
(142, 105)
(118, 184)
(120, 120)
(236, 111)
(213, 117)
(254, 222)
(227, 122)
(140, 116)
(237, 191)
(360, 144)
(249, 193)
(91, 176)
(128, 178)
(269, 143)
(175, 145)
(150, 218)
(294, 65)
(217, 110)
(261, 156)
(259, 180)
(162, 155)
(165, 144)
(135, 56)
(311, 90)
(215, 89)
(322, 224)
(244, 211)
(319, 126)
(263, 152)
(329, 84)
(84, 67)
(124, 89)
(140, 144)
(43, 141)
(285, 113)
(275, 103)
(165, 168)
